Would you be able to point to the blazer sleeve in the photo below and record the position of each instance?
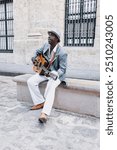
(62, 64)
(39, 51)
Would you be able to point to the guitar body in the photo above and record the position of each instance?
(41, 66)
(39, 63)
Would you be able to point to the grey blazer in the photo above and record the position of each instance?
(60, 61)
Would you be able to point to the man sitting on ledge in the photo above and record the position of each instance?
(54, 73)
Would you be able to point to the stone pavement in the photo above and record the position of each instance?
(20, 129)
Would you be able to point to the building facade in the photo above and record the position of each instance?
(24, 25)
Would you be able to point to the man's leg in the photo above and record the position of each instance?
(49, 95)
(33, 83)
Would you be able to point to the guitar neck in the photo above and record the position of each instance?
(45, 69)
(48, 72)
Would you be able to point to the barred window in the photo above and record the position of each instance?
(6, 26)
(80, 22)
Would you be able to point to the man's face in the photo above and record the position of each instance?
(52, 38)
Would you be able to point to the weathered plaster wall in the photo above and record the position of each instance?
(32, 20)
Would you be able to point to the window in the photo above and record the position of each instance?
(80, 21)
(6, 26)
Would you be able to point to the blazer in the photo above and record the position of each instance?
(60, 61)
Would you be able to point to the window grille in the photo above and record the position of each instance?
(6, 26)
(80, 22)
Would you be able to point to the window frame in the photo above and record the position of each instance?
(7, 37)
(78, 21)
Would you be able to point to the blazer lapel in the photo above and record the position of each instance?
(45, 51)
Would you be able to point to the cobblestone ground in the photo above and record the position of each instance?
(20, 129)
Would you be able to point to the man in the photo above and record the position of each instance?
(57, 59)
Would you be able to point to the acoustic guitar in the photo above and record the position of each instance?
(41, 66)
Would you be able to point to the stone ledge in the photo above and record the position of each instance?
(22, 78)
(76, 84)
(79, 96)
(86, 85)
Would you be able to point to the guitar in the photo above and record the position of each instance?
(41, 66)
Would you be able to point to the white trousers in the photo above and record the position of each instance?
(49, 93)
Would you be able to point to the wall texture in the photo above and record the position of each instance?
(32, 20)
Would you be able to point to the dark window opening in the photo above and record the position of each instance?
(6, 26)
(80, 22)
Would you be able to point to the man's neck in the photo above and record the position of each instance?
(52, 46)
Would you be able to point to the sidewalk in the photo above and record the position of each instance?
(20, 129)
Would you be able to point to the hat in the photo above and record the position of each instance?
(56, 33)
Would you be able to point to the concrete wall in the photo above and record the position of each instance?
(32, 19)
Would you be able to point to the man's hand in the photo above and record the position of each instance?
(54, 75)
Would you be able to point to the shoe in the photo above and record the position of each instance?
(43, 118)
(38, 106)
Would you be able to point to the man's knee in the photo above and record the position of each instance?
(29, 81)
